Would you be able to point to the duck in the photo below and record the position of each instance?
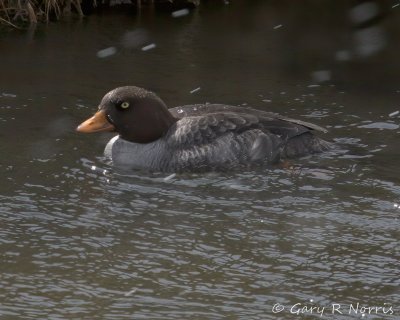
(197, 137)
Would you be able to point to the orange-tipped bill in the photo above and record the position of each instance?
(96, 123)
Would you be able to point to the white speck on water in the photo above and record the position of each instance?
(105, 172)
(396, 5)
(283, 92)
(130, 292)
(311, 300)
(278, 26)
(266, 100)
(9, 95)
(170, 177)
(180, 13)
(313, 86)
(93, 168)
(106, 52)
(149, 47)
(364, 12)
(195, 90)
(395, 113)
(179, 111)
(380, 125)
(396, 205)
(369, 41)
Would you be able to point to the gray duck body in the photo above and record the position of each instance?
(217, 137)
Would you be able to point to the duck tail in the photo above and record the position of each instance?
(304, 144)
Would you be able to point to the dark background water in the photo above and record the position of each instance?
(80, 243)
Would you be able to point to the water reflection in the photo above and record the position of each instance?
(211, 245)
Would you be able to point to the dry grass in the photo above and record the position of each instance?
(20, 13)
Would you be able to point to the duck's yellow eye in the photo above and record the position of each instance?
(124, 105)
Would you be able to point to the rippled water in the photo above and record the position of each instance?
(82, 240)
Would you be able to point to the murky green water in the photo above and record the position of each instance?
(80, 243)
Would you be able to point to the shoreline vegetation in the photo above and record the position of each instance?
(20, 14)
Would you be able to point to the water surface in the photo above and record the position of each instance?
(82, 240)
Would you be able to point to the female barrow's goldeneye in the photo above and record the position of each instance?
(201, 137)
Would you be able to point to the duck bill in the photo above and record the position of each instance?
(97, 123)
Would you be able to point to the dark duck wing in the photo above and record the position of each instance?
(223, 136)
(202, 109)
